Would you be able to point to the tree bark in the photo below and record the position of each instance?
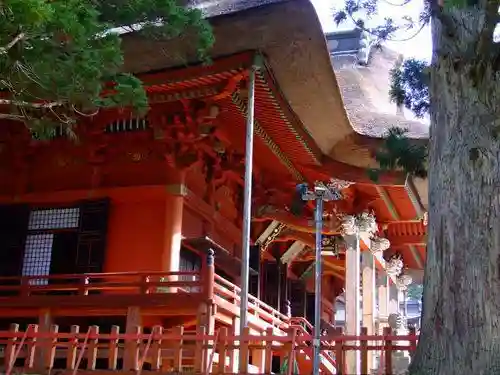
(461, 305)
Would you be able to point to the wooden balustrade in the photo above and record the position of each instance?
(92, 283)
(177, 350)
(229, 293)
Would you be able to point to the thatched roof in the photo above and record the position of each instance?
(290, 36)
(365, 90)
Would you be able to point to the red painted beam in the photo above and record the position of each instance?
(407, 240)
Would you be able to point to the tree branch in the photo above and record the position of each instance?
(31, 105)
(12, 43)
(8, 116)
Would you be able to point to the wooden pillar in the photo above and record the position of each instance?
(134, 322)
(207, 309)
(352, 299)
(283, 287)
(173, 228)
(368, 297)
(44, 324)
(393, 299)
(383, 299)
(297, 298)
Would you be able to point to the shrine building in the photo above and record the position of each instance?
(139, 223)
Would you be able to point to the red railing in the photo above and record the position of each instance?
(176, 350)
(212, 286)
(306, 328)
(84, 284)
(227, 294)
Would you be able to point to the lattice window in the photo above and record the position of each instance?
(128, 125)
(37, 257)
(60, 218)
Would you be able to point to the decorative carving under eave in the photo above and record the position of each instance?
(403, 281)
(361, 223)
(195, 179)
(189, 134)
(339, 185)
(274, 234)
(379, 245)
(394, 266)
(367, 223)
(348, 226)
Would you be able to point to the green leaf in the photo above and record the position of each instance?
(60, 52)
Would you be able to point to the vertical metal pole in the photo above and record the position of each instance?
(247, 199)
(317, 286)
(358, 300)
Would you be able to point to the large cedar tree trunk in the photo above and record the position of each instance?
(461, 307)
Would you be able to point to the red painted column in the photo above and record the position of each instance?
(173, 228)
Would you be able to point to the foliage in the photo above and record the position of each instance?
(61, 59)
(409, 86)
(415, 291)
(400, 153)
(463, 104)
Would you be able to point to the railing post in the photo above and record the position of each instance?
(388, 351)
(234, 352)
(10, 349)
(72, 348)
(92, 347)
(413, 342)
(156, 348)
(222, 350)
(210, 276)
(244, 341)
(113, 348)
(200, 351)
(132, 327)
(178, 349)
(291, 352)
(363, 343)
(44, 344)
(29, 362)
(268, 354)
(339, 351)
(50, 347)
